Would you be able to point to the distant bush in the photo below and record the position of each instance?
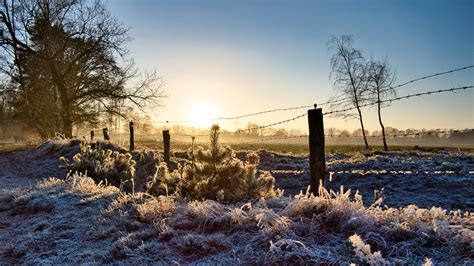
(215, 173)
(107, 166)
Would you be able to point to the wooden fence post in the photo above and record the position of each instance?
(166, 144)
(132, 136)
(92, 135)
(105, 131)
(317, 161)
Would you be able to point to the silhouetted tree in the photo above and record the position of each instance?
(349, 73)
(281, 132)
(294, 132)
(5, 113)
(344, 133)
(331, 132)
(379, 80)
(252, 130)
(68, 62)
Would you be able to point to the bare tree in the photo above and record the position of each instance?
(72, 54)
(3, 110)
(380, 78)
(349, 73)
(332, 131)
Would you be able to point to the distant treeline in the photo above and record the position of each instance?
(144, 126)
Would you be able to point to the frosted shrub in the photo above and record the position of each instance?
(364, 253)
(106, 166)
(216, 173)
(163, 182)
(270, 222)
(155, 209)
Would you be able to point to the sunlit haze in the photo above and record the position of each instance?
(241, 57)
(202, 115)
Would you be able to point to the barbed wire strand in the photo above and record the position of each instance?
(333, 112)
(238, 117)
(348, 99)
(337, 111)
(432, 132)
(310, 106)
(399, 98)
(432, 75)
(250, 129)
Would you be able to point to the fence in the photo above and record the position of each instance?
(316, 136)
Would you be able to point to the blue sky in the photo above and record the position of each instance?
(247, 56)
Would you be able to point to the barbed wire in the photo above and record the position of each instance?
(334, 111)
(308, 106)
(173, 140)
(267, 111)
(432, 75)
(399, 135)
(348, 99)
(273, 138)
(399, 98)
(252, 128)
(272, 124)
(240, 116)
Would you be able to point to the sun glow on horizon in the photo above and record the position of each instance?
(203, 113)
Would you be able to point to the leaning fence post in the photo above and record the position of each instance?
(166, 144)
(105, 131)
(132, 136)
(317, 161)
(92, 135)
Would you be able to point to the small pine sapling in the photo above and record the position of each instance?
(218, 173)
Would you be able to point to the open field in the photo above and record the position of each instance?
(412, 206)
(300, 147)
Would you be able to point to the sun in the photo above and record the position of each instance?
(202, 113)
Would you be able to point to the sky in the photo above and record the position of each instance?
(226, 58)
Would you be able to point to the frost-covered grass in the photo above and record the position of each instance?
(74, 220)
(299, 147)
(424, 178)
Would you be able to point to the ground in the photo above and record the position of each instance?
(73, 220)
(441, 178)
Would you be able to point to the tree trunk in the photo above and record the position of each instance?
(67, 127)
(3, 122)
(385, 147)
(64, 98)
(363, 129)
(356, 101)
